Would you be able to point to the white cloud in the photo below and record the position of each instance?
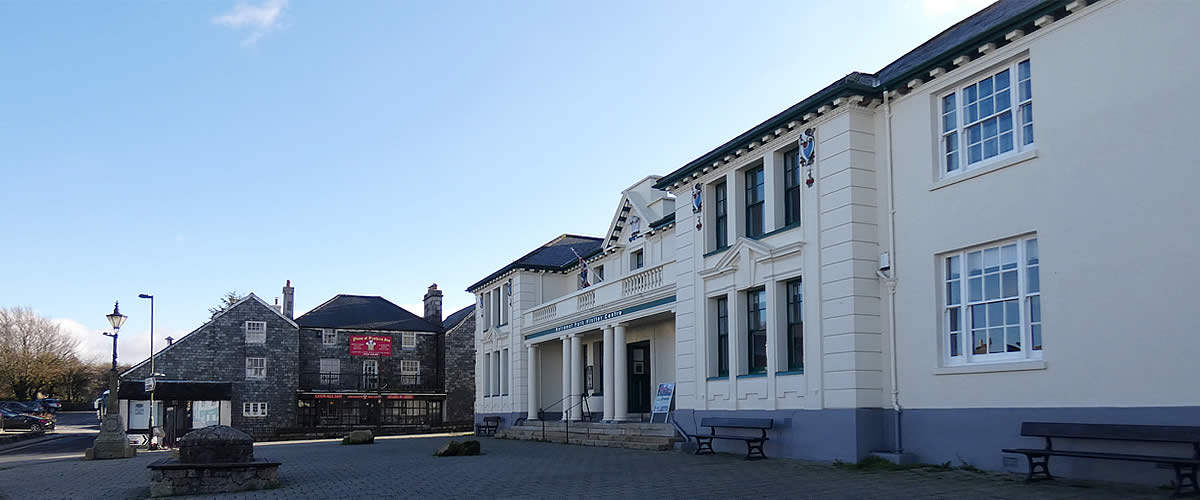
(255, 20)
(959, 8)
(133, 345)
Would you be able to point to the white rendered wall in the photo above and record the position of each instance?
(1111, 195)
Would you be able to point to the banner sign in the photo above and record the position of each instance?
(370, 345)
(327, 396)
(602, 317)
(662, 401)
(399, 396)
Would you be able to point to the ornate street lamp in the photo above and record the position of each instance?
(112, 441)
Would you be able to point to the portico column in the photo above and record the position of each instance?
(566, 378)
(576, 377)
(620, 376)
(532, 374)
(610, 391)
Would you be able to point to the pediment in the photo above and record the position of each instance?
(748, 250)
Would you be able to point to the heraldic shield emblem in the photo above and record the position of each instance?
(808, 147)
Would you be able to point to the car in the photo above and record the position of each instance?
(51, 404)
(14, 420)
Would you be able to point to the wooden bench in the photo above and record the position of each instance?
(488, 426)
(754, 444)
(1039, 458)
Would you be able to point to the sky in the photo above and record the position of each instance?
(187, 149)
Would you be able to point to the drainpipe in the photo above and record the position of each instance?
(890, 279)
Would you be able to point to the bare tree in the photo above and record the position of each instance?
(34, 352)
(229, 299)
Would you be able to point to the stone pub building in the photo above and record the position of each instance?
(353, 362)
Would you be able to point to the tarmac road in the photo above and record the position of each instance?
(73, 433)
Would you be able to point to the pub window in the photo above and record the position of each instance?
(328, 336)
(408, 340)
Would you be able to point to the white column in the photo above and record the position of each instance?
(576, 377)
(620, 376)
(531, 372)
(610, 390)
(566, 377)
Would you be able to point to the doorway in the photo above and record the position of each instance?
(639, 376)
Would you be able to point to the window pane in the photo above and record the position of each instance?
(974, 134)
(979, 316)
(1005, 122)
(995, 314)
(952, 266)
(979, 340)
(1013, 339)
(1006, 142)
(974, 153)
(991, 284)
(971, 94)
(954, 340)
(1031, 252)
(1002, 80)
(985, 86)
(975, 263)
(1012, 313)
(1023, 70)
(990, 147)
(991, 260)
(954, 322)
(995, 340)
(1002, 101)
(975, 289)
(948, 104)
(953, 293)
(948, 122)
(986, 106)
(1008, 284)
(1035, 309)
(1037, 337)
(1032, 280)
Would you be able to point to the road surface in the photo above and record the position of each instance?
(73, 433)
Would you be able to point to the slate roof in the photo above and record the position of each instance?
(457, 316)
(989, 24)
(556, 255)
(364, 312)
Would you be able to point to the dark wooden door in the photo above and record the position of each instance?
(639, 377)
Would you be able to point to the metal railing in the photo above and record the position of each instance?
(586, 413)
(342, 381)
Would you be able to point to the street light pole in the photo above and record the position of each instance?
(112, 442)
(152, 372)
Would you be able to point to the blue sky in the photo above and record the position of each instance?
(185, 149)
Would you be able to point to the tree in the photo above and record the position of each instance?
(34, 352)
(229, 299)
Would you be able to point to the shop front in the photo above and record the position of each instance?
(179, 406)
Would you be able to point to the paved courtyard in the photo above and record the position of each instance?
(405, 467)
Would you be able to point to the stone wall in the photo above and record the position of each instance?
(313, 350)
(217, 351)
(460, 371)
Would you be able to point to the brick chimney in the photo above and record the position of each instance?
(289, 299)
(433, 305)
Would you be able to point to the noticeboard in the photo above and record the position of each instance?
(662, 400)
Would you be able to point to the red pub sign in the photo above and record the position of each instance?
(370, 345)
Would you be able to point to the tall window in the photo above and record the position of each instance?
(504, 372)
(754, 202)
(795, 325)
(487, 375)
(256, 332)
(636, 260)
(599, 274)
(756, 330)
(999, 314)
(722, 337)
(977, 120)
(256, 368)
(330, 371)
(410, 367)
(408, 340)
(496, 316)
(721, 215)
(496, 373)
(791, 187)
(370, 372)
(328, 336)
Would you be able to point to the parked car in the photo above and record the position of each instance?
(51, 404)
(27, 407)
(13, 420)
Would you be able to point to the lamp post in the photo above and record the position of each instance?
(112, 441)
(152, 372)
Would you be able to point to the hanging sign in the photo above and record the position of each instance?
(662, 401)
(370, 345)
(150, 382)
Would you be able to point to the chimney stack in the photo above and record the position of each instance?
(433, 305)
(289, 299)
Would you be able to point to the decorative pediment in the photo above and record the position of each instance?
(751, 251)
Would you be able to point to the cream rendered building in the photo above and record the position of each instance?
(948, 265)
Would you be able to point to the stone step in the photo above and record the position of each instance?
(559, 436)
(665, 430)
(663, 444)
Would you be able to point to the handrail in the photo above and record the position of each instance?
(567, 415)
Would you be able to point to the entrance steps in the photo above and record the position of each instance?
(634, 436)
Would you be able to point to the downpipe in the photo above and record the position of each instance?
(890, 279)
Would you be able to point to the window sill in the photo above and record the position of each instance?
(989, 166)
(790, 372)
(717, 251)
(719, 377)
(1011, 366)
(752, 375)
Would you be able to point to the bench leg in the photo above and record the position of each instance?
(1185, 477)
(703, 444)
(1034, 464)
(752, 447)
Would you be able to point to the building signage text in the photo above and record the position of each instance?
(370, 345)
(593, 319)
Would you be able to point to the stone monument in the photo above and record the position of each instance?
(214, 459)
(112, 441)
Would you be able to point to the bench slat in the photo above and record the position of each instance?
(737, 423)
(1106, 456)
(1115, 432)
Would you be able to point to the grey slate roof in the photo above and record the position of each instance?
(364, 312)
(457, 316)
(556, 255)
(989, 24)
